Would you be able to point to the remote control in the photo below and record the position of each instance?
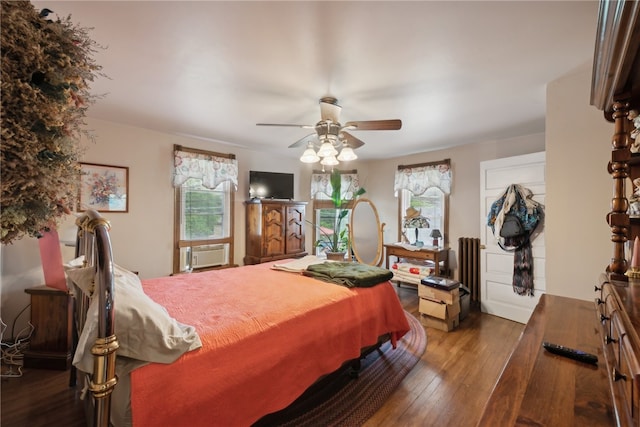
(571, 353)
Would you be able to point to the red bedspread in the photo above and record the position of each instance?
(267, 336)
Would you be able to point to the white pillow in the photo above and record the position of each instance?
(144, 328)
(83, 277)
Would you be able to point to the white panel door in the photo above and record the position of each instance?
(496, 265)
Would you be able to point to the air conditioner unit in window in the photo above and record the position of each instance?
(207, 256)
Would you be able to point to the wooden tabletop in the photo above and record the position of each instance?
(543, 389)
(433, 253)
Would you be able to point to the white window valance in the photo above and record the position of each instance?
(211, 169)
(419, 178)
(321, 185)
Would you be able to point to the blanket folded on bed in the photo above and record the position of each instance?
(349, 274)
(298, 265)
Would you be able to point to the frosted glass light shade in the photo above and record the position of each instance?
(347, 154)
(309, 156)
(327, 149)
(329, 161)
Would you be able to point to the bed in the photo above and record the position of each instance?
(222, 347)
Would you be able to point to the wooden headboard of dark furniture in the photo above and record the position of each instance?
(616, 90)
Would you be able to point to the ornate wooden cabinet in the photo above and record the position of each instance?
(275, 230)
(616, 91)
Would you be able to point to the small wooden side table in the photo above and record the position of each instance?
(431, 253)
(51, 344)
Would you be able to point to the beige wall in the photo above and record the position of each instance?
(578, 194)
(579, 189)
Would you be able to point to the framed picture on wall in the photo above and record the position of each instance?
(104, 188)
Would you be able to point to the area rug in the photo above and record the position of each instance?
(345, 400)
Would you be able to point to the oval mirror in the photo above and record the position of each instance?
(365, 232)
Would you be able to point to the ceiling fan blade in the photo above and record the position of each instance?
(329, 109)
(288, 125)
(394, 124)
(351, 140)
(304, 141)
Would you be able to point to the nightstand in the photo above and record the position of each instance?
(51, 344)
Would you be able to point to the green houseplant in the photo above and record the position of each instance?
(337, 240)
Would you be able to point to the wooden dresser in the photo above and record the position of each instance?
(618, 306)
(537, 388)
(275, 230)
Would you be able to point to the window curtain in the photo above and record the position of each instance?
(321, 185)
(212, 170)
(419, 178)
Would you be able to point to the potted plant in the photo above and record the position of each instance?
(336, 241)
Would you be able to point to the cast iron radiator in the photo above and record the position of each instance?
(469, 265)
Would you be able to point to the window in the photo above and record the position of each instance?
(204, 211)
(328, 220)
(325, 220)
(204, 199)
(423, 192)
(431, 205)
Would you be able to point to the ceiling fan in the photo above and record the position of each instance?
(331, 137)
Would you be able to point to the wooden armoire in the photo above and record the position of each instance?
(275, 230)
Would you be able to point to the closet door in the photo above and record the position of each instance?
(496, 265)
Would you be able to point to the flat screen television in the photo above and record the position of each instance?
(270, 185)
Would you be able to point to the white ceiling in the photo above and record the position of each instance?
(455, 72)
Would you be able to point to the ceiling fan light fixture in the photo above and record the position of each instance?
(347, 154)
(327, 149)
(331, 136)
(309, 156)
(329, 161)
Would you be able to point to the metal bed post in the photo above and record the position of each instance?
(96, 245)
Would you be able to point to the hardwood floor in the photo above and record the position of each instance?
(40, 398)
(453, 380)
(448, 387)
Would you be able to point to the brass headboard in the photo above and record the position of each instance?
(94, 243)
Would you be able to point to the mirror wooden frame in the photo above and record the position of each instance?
(377, 261)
